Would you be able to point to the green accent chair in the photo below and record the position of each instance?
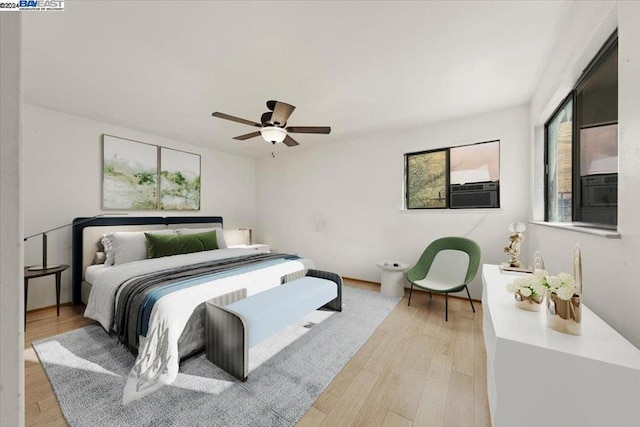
(448, 264)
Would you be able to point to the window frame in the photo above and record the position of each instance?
(596, 61)
(446, 173)
(447, 151)
(563, 103)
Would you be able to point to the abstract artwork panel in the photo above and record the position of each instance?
(179, 180)
(129, 174)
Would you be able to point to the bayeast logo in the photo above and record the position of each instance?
(41, 4)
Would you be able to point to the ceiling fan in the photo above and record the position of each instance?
(272, 126)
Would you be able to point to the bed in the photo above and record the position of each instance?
(156, 306)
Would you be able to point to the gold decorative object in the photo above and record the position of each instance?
(515, 240)
(564, 315)
(530, 303)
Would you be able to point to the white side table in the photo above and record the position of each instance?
(392, 282)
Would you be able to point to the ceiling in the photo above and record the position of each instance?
(361, 67)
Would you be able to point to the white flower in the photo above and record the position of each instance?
(525, 292)
(538, 288)
(527, 286)
(527, 281)
(562, 285)
(553, 282)
(565, 292)
(540, 274)
(566, 279)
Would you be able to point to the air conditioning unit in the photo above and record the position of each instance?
(599, 190)
(476, 195)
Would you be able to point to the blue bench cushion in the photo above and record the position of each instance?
(270, 311)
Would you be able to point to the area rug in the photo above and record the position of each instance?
(87, 369)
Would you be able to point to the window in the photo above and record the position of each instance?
(458, 177)
(559, 136)
(581, 147)
(426, 179)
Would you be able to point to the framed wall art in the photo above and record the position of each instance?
(129, 174)
(179, 180)
(140, 176)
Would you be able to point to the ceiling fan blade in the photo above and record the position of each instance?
(281, 113)
(266, 118)
(290, 142)
(235, 119)
(309, 129)
(247, 136)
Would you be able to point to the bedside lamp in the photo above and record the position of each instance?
(250, 230)
(44, 265)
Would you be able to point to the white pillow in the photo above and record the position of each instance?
(128, 246)
(222, 244)
(108, 249)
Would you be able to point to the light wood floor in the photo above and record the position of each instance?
(415, 370)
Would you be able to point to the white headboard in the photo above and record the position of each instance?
(87, 232)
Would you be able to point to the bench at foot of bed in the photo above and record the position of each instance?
(235, 322)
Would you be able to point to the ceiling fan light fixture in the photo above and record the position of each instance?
(273, 134)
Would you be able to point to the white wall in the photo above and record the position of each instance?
(341, 204)
(611, 267)
(11, 302)
(63, 173)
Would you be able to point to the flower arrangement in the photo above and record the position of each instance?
(562, 285)
(527, 286)
(536, 285)
(563, 294)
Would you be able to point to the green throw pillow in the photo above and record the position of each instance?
(159, 245)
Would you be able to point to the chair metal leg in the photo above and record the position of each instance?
(470, 302)
(446, 307)
(410, 292)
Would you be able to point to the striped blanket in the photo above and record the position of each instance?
(138, 296)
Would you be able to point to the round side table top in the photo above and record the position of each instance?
(393, 265)
(52, 269)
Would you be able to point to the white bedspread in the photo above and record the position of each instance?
(93, 271)
(158, 358)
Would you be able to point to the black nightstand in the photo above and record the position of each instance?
(32, 274)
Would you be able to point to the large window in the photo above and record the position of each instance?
(581, 155)
(559, 136)
(458, 177)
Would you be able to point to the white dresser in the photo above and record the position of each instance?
(537, 376)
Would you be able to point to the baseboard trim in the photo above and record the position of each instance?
(361, 280)
(62, 304)
(415, 290)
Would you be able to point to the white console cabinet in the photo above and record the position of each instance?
(539, 377)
